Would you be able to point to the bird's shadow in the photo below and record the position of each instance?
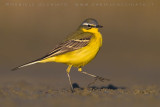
(110, 86)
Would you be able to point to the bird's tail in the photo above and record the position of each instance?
(27, 64)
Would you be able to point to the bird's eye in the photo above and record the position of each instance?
(89, 25)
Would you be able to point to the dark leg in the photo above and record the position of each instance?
(68, 70)
(96, 77)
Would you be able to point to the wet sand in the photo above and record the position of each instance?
(25, 94)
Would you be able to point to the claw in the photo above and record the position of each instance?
(101, 78)
(92, 82)
(98, 78)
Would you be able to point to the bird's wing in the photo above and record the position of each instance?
(71, 44)
(75, 41)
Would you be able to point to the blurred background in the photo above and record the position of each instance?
(130, 55)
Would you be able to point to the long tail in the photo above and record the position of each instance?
(27, 64)
(33, 62)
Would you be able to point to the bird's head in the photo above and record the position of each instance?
(90, 25)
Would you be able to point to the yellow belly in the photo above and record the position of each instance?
(81, 56)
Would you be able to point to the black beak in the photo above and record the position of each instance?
(99, 26)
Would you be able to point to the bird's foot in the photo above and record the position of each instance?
(101, 79)
(98, 78)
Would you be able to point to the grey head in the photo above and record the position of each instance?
(90, 23)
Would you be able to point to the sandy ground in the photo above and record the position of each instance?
(130, 55)
(25, 94)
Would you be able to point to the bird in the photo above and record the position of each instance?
(76, 50)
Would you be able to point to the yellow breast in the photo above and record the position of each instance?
(83, 55)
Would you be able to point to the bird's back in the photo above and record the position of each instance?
(84, 55)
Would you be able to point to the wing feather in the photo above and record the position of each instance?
(67, 46)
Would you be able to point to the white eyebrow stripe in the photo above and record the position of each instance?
(89, 24)
(85, 23)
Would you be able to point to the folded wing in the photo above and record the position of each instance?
(68, 46)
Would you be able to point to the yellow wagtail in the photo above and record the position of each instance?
(77, 49)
